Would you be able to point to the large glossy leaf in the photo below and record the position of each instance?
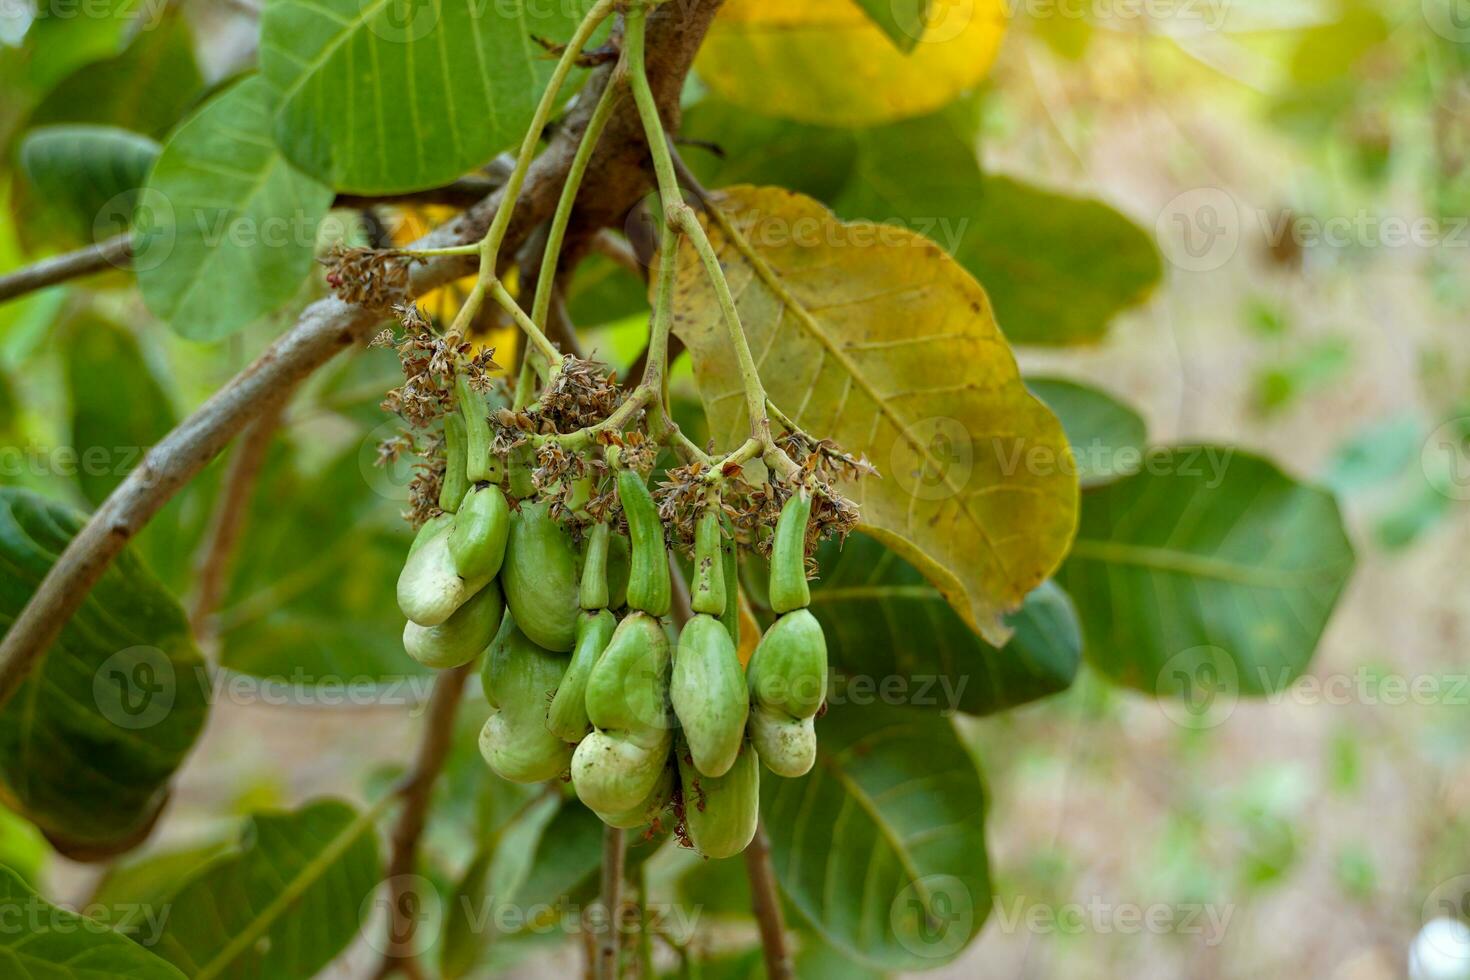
(145, 88)
(872, 336)
(392, 95)
(1056, 267)
(1107, 436)
(91, 739)
(1209, 564)
(882, 845)
(226, 228)
(46, 942)
(893, 638)
(79, 171)
(312, 605)
(285, 905)
(826, 61)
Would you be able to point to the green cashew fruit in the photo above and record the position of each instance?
(617, 766)
(648, 810)
(615, 772)
(730, 560)
(592, 584)
(519, 677)
(480, 463)
(649, 586)
(567, 716)
(461, 637)
(707, 594)
(720, 812)
(788, 588)
(456, 481)
(539, 578)
(709, 694)
(429, 588)
(619, 567)
(481, 528)
(787, 745)
(789, 668)
(627, 690)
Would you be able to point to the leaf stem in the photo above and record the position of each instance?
(766, 903)
(557, 230)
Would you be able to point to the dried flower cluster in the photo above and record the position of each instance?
(374, 279)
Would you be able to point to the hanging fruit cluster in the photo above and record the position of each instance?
(555, 563)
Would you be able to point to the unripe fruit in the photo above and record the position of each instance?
(429, 588)
(539, 578)
(461, 637)
(709, 695)
(720, 812)
(788, 670)
(649, 808)
(479, 533)
(788, 587)
(787, 745)
(518, 678)
(628, 688)
(567, 716)
(649, 585)
(707, 593)
(614, 772)
(456, 482)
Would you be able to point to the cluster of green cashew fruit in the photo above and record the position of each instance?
(584, 672)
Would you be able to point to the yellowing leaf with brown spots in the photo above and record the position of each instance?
(827, 62)
(872, 336)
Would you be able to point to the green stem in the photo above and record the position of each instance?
(557, 230)
(490, 245)
(431, 253)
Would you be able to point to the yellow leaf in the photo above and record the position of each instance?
(872, 336)
(826, 62)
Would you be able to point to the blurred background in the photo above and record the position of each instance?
(1305, 169)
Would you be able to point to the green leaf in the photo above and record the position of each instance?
(1209, 565)
(870, 335)
(1057, 268)
(285, 905)
(226, 228)
(153, 879)
(118, 408)
(82, 171)
(312, 605)
(903, 21)
(47, 942)
(1107, 436)
(817, 161)
(896, 640)
(90, 741)
(395, 96)
(492, 882)
(146, 88)
(881, 847)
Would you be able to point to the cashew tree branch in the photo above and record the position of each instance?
(328, 326)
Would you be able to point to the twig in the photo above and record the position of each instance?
(610, 246)
(612, 901)
(330, 325)
(115, 252)
(415, 790)
(766, 903)
(217, 557)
